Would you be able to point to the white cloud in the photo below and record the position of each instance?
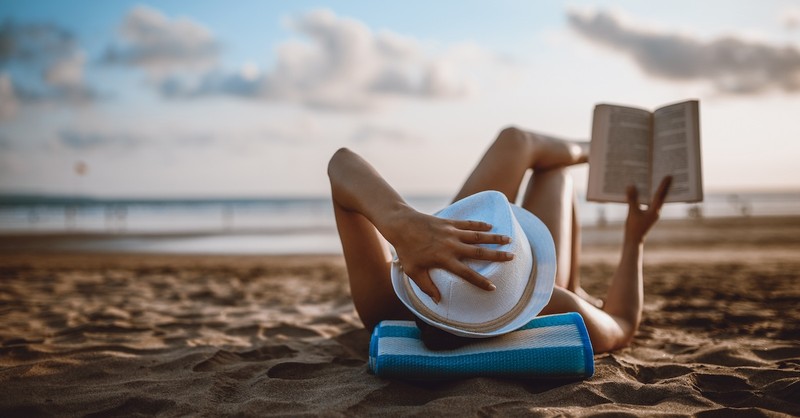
(120, 138)
(84, 140)
(160, 45)
(35, 43)
(67, 72)
(337, 63)
(790, 18)
(732, 64)
(42, 63)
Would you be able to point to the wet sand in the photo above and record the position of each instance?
(143, 334)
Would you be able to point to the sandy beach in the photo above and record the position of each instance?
(174, 335)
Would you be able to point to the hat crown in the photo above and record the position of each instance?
(465, 304)
(467, 311)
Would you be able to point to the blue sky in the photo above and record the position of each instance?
(189, 98)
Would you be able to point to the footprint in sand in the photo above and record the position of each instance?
(223, 358)
(723, 389)
(290, 331)
(291, 370)
(218, 361)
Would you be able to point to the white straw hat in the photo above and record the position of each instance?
(524, 284)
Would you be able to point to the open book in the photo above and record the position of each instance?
(639, 147)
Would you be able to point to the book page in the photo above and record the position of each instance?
(676, 151)
(620, 153)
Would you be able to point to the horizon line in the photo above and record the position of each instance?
(33, 197)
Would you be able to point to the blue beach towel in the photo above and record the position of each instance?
(550, 347)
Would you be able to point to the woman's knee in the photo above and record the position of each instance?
(337, 158)
(514, 139)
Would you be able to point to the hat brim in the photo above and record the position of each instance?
(544, 251)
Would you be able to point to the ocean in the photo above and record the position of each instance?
(274, 225)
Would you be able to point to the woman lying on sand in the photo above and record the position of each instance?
(369, 212)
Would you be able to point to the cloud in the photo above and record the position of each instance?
(91, 140)
(122, 138)
(790, 18)
(41, 62)
(35, 43)
(733, 65)
(336, 63)
(159, 45)
(67, 72)
(217, 82)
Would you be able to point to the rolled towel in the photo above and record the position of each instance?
(548, 347)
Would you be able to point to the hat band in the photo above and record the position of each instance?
(487, 326)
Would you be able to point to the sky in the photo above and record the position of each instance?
(251, 98)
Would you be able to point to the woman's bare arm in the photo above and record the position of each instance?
(422, 241)
(616, 324)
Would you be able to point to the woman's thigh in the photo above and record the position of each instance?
(550, 197)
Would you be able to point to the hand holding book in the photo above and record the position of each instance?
(632, 146)
(640, 220)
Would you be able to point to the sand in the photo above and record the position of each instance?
(128, 335)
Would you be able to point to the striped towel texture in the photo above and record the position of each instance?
(548, 347)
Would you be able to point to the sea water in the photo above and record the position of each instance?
(277, 225)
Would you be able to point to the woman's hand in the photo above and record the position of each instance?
(424, 242)
(640, 221)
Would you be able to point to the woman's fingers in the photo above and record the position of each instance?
(470, 275)
(463, 244)
(661, 193)
(633, 198)
(475, 237)
(471, 225)
(423, 280)
(474, 232)
(477, 252)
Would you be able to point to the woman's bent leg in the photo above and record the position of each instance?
(607, 332)
(513, 153)
(549, 197)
